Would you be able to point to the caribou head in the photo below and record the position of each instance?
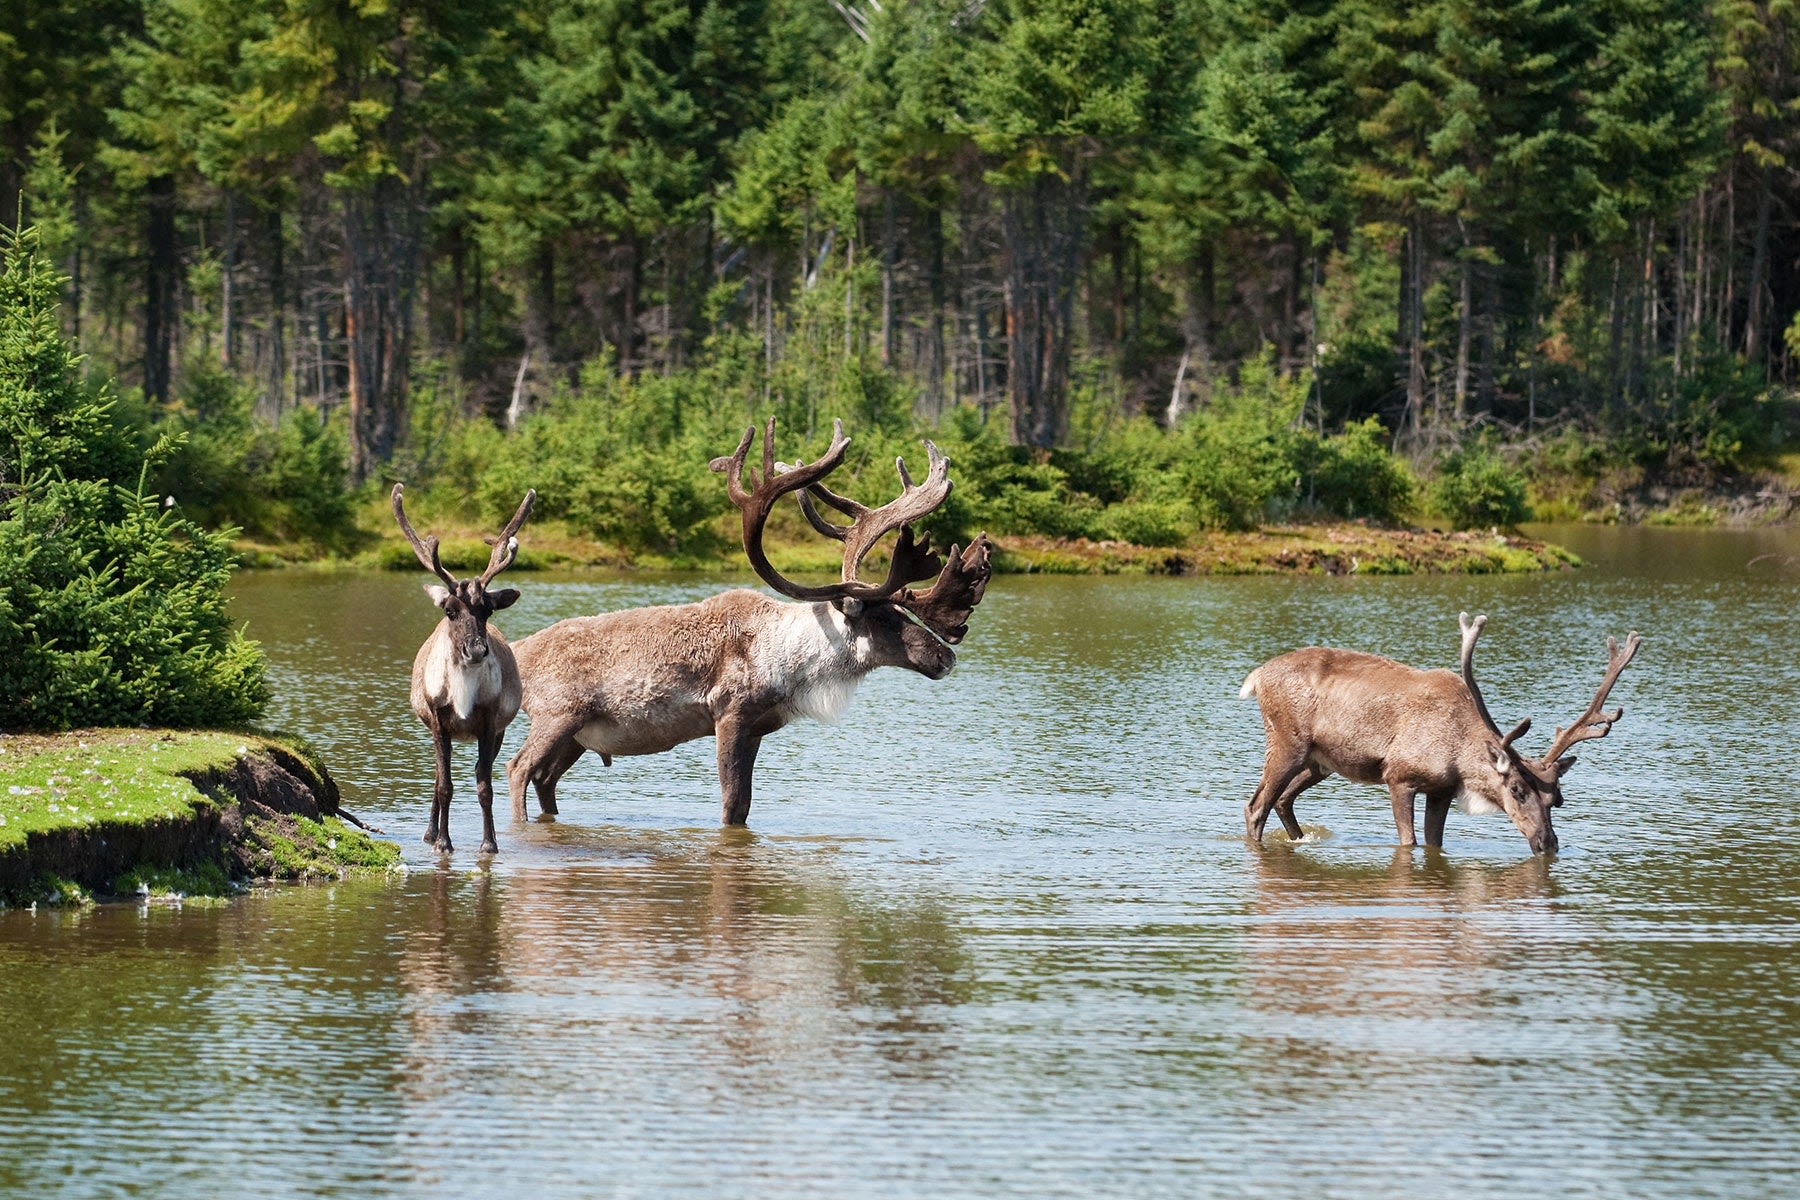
(1528, 788)
(467, 603)
(892, 624)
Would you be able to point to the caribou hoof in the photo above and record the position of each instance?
(490, 846)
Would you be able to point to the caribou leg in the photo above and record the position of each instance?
(1284, 804)
(1402, 796)
(738, 744)
(437, 833)
(1437, 809)
(1279, 770)
(563, 756)
(487, 749)
(537, 758)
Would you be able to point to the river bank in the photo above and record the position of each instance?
(119, 812)
(1317, 548)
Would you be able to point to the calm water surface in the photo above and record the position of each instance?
(996, 935)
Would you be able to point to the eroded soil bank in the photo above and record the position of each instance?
(104, 812)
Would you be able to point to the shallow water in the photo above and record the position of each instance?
(995, 935)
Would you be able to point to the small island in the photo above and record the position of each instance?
(127, 761)
(163, 812)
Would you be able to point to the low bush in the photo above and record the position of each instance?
(287, 481)
(1474, 488)
(625, 459)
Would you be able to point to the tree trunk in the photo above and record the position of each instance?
(381, 273)
(228, 282)
(1756, 296)
(935, 365)
(275, 391)
(540, 321)
(1041, 230)
(1412, 321)
(159, 286)
(1465, 323)
(887, 277)
(459, 253)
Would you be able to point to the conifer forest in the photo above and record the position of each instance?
(1153, 264)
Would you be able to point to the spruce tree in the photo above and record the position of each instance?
(113, 607)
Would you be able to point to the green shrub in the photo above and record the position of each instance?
(1722, 416)
(113, 610)
(1476, 488)
(1353, 473)
(651, 500)
(1004, 489)
(288, 481)
(1148, 522)
(1233, 470)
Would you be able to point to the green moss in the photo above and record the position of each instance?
(46, 888)
(207, 880)
(1688, 510)
(298, 848)
(351, 847)
(99, 777)
(98, 780)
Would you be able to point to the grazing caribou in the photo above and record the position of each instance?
(741, 665)
(1374, 720)
(465, 684)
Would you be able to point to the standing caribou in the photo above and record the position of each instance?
(740, 665)
(465, 684)
(1374, 720)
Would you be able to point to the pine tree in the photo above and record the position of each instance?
(114, 610)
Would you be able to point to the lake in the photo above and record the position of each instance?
(994, 935)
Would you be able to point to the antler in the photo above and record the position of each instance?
(1595, 723)
(506, 546)
(946, 607)
(425, 548)
(759, 500)
(1471, 630)
(962, 577)
(912, 560)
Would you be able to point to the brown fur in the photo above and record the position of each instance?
(1373, 720)
(465, 660)
(645, 680)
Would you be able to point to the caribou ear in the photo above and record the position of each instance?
(504, 598)
(1563, 764)
(1499, 759)
(850, 606)
(440, 596)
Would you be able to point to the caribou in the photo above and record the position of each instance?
(465, 682)
(1373, 720)
(740, 665)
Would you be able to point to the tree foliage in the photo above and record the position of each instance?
(114, 610)
(1451, 216)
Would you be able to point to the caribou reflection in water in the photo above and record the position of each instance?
(1437, 929)
(741, 951)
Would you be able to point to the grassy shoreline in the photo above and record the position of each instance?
(140, 812)
(1311, 548)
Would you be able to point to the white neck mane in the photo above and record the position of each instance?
(811, 654)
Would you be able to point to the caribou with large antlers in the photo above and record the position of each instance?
(741, 665)
(1427, 733)
(465, 684)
